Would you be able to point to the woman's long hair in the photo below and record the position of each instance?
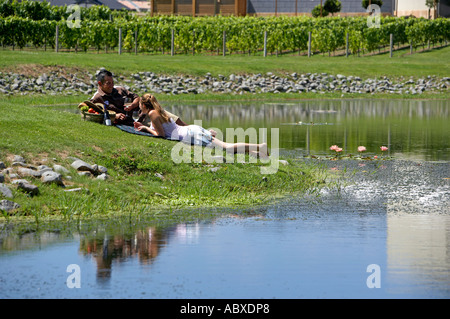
(151, 103)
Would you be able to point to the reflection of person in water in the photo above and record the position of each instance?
(144, 244)
(149, 245)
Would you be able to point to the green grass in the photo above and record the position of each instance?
(434, 62)
(47, 136)
(41, 134)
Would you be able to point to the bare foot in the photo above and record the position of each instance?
(213, 133)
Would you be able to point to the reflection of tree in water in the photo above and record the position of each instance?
(238, 113)
(144, 244)
(309, 127)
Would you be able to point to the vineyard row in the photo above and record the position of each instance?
(224, 34)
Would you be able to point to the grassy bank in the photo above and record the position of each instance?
(434, 62)
(398, 69)
(45, 136)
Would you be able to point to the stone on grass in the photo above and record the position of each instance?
(85, 173)
(103, 177)
(5, 191)
(102, 169)
(78, 189)
(60, 169)
(8, 205)
(44, 168)
(28, 188)
(52, 178)
(80, 165)
(19, 164)
(18, 158)
(23, 171)
(17, 181)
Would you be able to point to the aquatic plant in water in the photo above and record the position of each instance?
(361, 149)
(338, 151)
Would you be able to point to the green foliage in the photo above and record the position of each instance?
(332, 6)
(365, 3)
(7, 8)
(140, 160)
(319, 11)
(99, 29)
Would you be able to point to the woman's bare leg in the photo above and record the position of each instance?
(242, 147)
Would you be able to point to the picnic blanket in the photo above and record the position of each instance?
(132, 130)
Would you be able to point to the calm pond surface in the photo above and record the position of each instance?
(381, 231)
(411, 129)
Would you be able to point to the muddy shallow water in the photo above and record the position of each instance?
(382, 232)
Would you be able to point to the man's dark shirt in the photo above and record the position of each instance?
(115, 102)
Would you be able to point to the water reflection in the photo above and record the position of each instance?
(311, 110)
(143, 245)
(419, 243)
(304, 254)
(410, 128)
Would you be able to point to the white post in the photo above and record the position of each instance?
(265, 43)
(120, 40)
(346, 46)
(135, 42)
(391, 44)
(309, 44)
(224, 43)
(172, 49)
(57, 39)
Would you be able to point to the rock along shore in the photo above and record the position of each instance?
(54, 83)
(21, 176)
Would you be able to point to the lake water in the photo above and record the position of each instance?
(411, 129)
(381, 231)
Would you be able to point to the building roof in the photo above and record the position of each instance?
(136, 5)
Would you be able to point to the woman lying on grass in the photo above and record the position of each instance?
(162, 125)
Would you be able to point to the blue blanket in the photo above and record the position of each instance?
(132, 130)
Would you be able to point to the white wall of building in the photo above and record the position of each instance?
(416, 8)
(404, 5)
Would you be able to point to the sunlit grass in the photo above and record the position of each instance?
(419, 64)
(47, 136)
